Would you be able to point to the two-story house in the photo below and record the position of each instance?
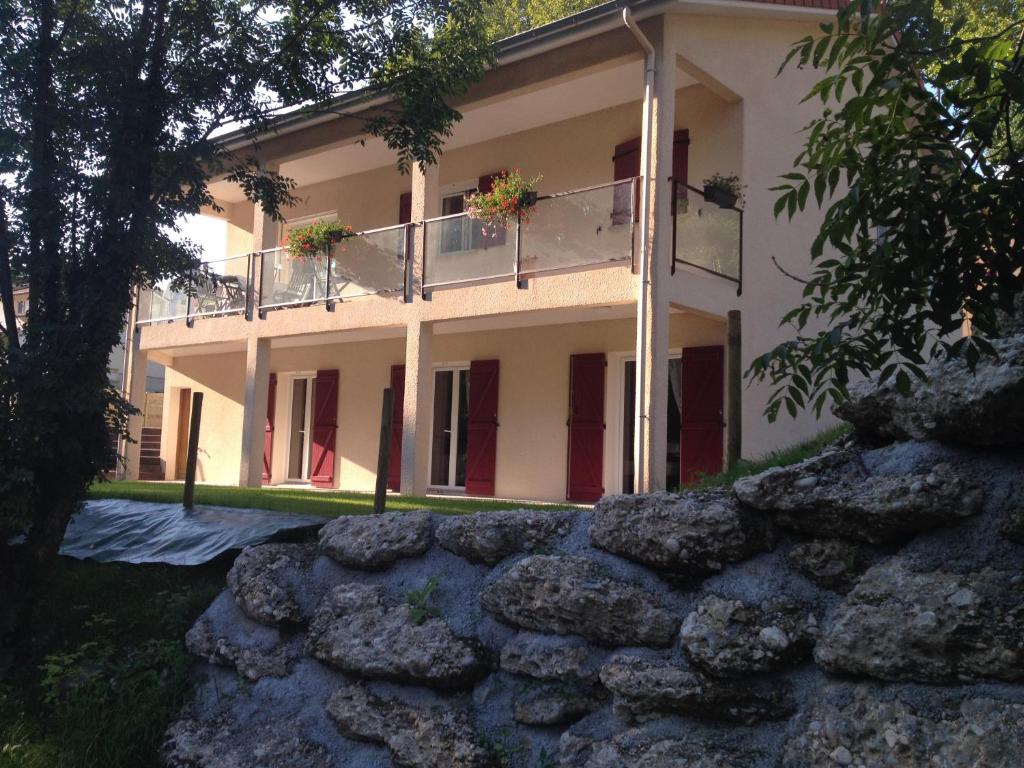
(598, 347)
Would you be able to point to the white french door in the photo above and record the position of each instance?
(449, 428)
(300, 416)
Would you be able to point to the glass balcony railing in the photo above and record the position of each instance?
(582, 229)
(221, 287)
(706, 235)
(166, 304)
(366, 264)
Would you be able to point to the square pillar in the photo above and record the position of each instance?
(254, 414)
(652, 317)
(135, 377)
(426, 204)
(418, 404)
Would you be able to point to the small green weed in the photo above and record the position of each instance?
(417, 599)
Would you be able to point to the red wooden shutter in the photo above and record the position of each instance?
(405, 208)
(325, 428)
(397, 411)
(586, 427)
(626, 161)
(702, 408)
(482, 432)
(268, 436)
(490, 237)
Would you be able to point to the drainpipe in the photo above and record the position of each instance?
(643, 305)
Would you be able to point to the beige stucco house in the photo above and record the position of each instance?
(513, 354)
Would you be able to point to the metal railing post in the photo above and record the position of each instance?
(424, 293)
(260, 313)
(520, 283)
(407, 276)
(189, 321)
(327, 283)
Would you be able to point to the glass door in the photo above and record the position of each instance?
(300, 414)
(672, 421)
(450, 428)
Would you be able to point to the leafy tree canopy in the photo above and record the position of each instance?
(108, 113)
(916, 159)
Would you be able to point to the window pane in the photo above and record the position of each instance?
(442, 433)
(463, 429)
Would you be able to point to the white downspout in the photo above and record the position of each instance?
(642, 302)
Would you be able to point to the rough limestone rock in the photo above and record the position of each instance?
(547, 658)
(573, 595)
(557, 703)
(190, 743)
(928, 627)
(357, 632)
(645, 688)
(976, 733)
(637, 749)
(266, 580)
(415, 737)
(834, 495)
(689, 535)
(490, 537)
(953, 404)
(374, 542)
(830, 563)
(728, 638)
(258, 658)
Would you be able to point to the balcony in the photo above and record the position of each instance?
(218, 288)
(569, 231)
(706, 235)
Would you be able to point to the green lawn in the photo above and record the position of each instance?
(299, 500)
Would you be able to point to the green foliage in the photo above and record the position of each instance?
(418, 601)
(511, 197)
(313, 240)
(104, 677)
(507, 753)
(915, 162)
(505, 19)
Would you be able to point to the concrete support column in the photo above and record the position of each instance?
(254, 415)
(653, 303)
(426, 204)
(136, 367)
(419, 387)
(265, 235)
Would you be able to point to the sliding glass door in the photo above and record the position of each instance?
(449, 430)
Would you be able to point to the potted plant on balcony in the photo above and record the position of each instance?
(511, 197)
(314, 239)
(724, 191)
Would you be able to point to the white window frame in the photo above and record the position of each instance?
(310, 377)
(456, 368)
(615, 409)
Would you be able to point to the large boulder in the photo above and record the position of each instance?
(490, 537)
(416, 737)
(374, 542)
(267, 580)
(637, 749)
(835, 495)
(688, 535)
(984, 407)
(557, 703)
(645, 688)
(872, 730)
(928, 627)
(729, 638)
(356, 631)
(571, 595)
(830, 563)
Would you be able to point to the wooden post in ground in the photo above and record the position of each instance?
(734, 387)
(193, 449)
(383, 451)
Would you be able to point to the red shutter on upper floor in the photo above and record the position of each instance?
(397, 412)
(702, 411)
(491, 236)
(405, 208)
(586, 427)
(626, 162)
(482, 427)
(325, 428)
(268, 436)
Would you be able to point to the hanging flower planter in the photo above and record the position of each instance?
(511, 198)
(313, 240)
(723, 191)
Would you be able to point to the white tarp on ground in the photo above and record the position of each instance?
(146, 532)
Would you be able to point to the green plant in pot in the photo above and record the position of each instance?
(724, 191)
(510, 198)
(315, 239)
